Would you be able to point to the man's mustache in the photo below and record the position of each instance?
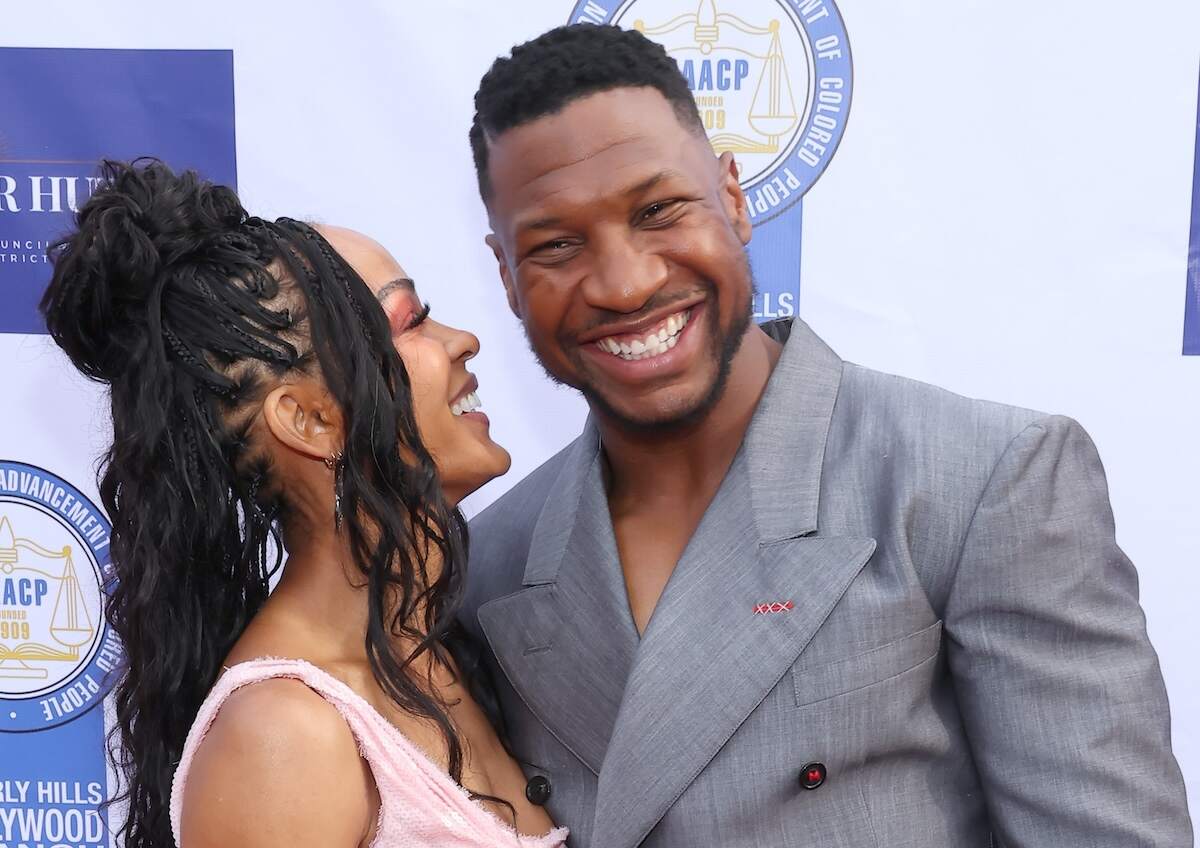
(603, 317)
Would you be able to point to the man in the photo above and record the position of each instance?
(769, 598)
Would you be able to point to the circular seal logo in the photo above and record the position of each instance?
(56, 649)
(772, 81)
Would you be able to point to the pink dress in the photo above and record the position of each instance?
(420, 806)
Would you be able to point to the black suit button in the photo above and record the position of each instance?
(812, 775)
(537, 790)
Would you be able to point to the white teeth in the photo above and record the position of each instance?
(655, 343)
(469, 403)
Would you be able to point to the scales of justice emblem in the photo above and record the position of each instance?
(57, 650)
(771, 78)
(47, 626)
(751, 73)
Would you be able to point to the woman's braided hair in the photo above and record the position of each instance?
(191, 311)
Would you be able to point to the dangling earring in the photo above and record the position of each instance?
(334, 464)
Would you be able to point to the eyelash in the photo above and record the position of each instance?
(418, 319)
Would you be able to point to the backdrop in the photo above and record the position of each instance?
(997, 198)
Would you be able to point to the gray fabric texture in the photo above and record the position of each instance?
(965, 652)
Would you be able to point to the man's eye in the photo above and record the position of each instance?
(658, 210)
(554, 249)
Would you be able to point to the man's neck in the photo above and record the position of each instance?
(690, 462)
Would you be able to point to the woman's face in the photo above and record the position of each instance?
(445, 400)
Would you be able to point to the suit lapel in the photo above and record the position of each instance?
(566, 642)
(647, 718)
(785, 443)
(707, 659)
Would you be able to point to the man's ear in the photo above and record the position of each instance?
(505, 273)
(733, 198)
(303, 417)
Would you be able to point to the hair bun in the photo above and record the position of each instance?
(143, 221)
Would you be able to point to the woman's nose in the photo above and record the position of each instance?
(460, 344)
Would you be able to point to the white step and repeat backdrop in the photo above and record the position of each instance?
(1004, 207)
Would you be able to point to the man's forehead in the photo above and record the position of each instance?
(615, 137)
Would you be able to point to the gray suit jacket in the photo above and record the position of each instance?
(964, 652)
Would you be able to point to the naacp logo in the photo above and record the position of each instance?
(772, 81)
(57, 654)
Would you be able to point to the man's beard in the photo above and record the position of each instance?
(725, 347)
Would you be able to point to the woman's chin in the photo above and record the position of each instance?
(476, 473)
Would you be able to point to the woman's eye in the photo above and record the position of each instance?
(420, 317)
(413, 319)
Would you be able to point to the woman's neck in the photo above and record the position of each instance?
(321, 603)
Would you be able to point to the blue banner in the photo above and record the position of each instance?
(64, 110)
(772, 81)
(1191, 312)
(58, 658)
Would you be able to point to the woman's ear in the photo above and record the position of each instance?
(303, 417)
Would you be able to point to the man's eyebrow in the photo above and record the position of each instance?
(550, 222)
(389, 287)
(650, 182)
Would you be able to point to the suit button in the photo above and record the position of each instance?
(812, 775)
(538, 790)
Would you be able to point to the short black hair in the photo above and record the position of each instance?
(563, 65)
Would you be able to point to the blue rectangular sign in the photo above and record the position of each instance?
(1191, 312)
(64, 110)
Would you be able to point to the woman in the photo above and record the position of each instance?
(275, 386)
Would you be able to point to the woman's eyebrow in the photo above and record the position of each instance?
(389, 287)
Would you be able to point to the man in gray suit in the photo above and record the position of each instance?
(770, 598)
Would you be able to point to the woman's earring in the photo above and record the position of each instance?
(334, 464)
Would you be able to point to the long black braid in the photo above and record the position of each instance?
(190, 311)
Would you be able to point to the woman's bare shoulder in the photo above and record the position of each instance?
(278, 766)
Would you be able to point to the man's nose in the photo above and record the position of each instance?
(623, 277)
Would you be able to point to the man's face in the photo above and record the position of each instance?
(621, 242)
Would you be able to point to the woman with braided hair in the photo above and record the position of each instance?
(278, 387)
